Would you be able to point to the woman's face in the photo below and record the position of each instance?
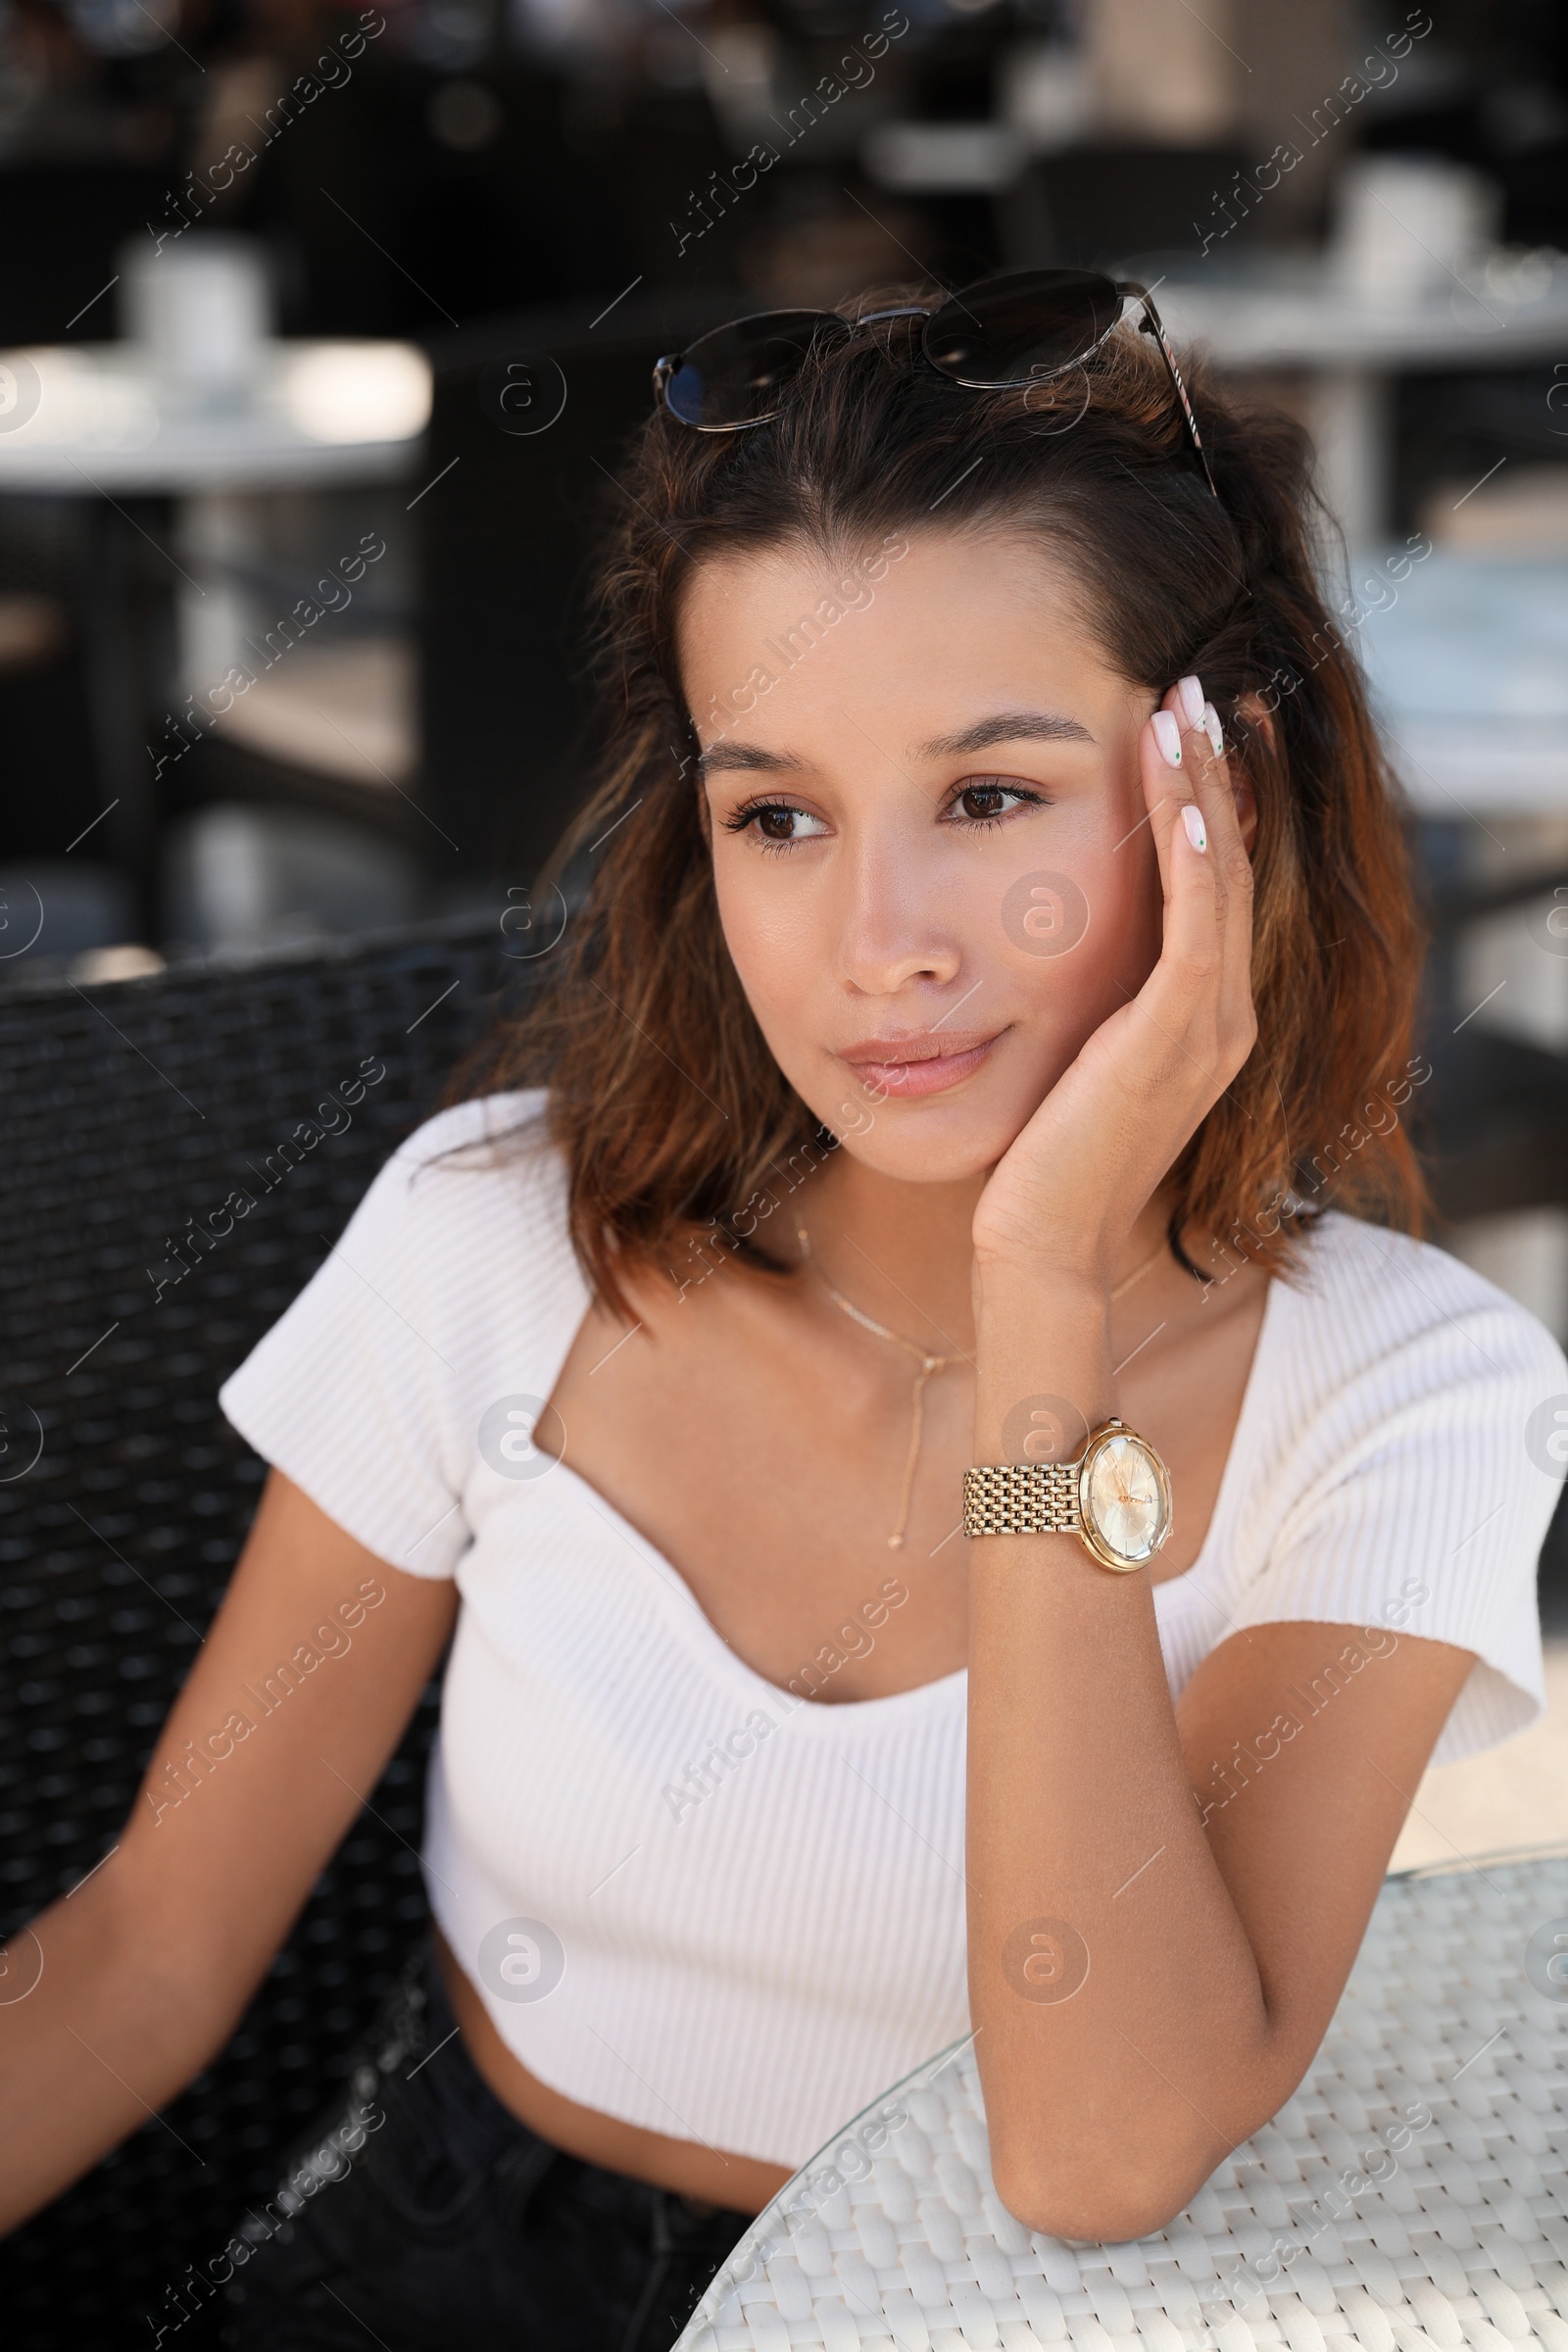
(930, 843)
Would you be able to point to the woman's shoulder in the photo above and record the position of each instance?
(458, 1255)
(485, 1134)
(477, 1166)
(453, 1285)
(1367, 1290)
(1407, 1399)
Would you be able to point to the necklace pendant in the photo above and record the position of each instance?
(895, 1543)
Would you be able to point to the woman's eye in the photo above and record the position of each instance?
(984, 800)
(775, 823)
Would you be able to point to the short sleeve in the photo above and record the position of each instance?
(366, 1391)
(1420, 1505)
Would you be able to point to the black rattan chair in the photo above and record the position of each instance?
(129, 1110)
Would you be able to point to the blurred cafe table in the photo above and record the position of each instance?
(1506, 311)
(1467, 657)
(99, 419)
(167, 457)
(1466, 653)
(1410, 2196)
(1413, 281)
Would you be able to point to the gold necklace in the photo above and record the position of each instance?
(1137, 1272)
(928, 1364)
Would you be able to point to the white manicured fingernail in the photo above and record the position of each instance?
(1193, 820)
(1168, 736)
(1213, 728)
(1191, 694)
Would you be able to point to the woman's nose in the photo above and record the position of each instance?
(895, 925)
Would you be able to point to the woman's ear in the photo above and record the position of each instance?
(1256, 715)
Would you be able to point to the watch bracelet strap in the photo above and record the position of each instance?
(1021, 1499)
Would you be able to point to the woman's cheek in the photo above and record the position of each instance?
(1044, 915)
(778, 949)
(1078, 929)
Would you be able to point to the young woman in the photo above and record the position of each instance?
(940, 1523)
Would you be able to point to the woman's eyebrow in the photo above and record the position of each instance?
(1005, 727)
(743, 754)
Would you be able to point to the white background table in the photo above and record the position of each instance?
(171, 476)
(95, 418)
(1499, 315)
(1290, 312)
(1454, 2011)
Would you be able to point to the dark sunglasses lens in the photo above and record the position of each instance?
(738, 373)
(1024, 325)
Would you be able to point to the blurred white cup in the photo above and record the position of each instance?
(201, 311)
(1408, 226)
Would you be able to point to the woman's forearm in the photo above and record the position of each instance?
(100, 2027)
(1121, 2020)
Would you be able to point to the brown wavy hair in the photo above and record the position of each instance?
(669, 1108)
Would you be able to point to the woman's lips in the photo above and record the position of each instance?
(925, 1072)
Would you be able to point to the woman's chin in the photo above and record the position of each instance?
(927, 1143)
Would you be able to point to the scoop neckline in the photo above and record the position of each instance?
(701, 1634)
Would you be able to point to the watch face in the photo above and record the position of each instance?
(1124, 1498)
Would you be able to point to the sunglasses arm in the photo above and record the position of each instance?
(1153, 326)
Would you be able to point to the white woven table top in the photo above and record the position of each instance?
(893, 2238)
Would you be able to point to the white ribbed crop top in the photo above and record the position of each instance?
(745, 1946)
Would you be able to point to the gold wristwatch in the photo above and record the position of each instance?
(1115, 1498)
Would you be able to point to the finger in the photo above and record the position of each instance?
(1220, 789)
(1203, 747)
(1171, 780)
(1198, 996)
(1180, 1030)
(1190, 947)
(1207, 775)
(1205, 759)
(1163, 760)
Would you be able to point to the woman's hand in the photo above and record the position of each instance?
(1064, 1196)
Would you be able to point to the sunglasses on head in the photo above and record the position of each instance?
(1002, 333)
